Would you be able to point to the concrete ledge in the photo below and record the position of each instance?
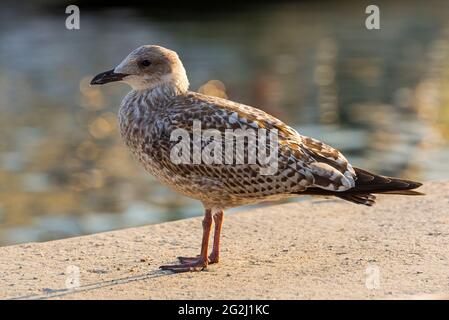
(312, 249)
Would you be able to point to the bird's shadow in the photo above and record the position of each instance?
(54, 293)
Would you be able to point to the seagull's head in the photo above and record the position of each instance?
(148, 67)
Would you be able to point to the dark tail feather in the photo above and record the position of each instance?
(405, 192)
(373, 183)
(363, 198)
(368, 183)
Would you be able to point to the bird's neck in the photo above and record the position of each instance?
(157, 96)
(163, 91)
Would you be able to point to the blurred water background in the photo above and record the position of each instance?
(382, 97)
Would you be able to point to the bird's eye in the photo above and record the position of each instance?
(145, 63)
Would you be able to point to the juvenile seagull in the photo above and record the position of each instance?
(160, 103)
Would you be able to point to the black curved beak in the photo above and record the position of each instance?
(108, 76)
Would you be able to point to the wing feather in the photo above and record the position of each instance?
(303, 162)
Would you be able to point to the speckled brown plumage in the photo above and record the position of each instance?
(161, 103)
(303, 162)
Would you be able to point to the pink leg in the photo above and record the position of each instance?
(214, 257)
(200, 262)
(218, 220)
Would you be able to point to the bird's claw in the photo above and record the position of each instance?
(187, 265)
(188, 260)
(213, 258)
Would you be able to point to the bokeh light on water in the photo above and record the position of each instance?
(382, 97)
